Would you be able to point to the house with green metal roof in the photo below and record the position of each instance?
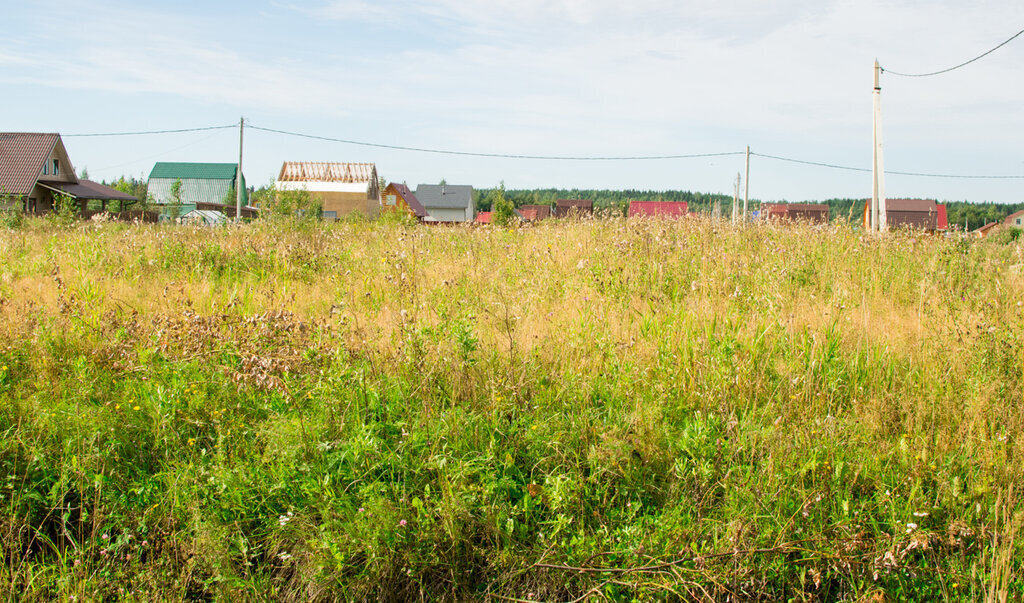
(202, 185)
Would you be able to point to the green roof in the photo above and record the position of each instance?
(201, 171)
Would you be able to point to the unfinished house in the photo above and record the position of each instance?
(341, 188)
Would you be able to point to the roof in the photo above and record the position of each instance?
(87, 189)
(207, 215)
(657, 208)
(22, 155)
(484, 217)
(410, 199)
(580, 203)
(943, 222)
(322, 171)
(535, 212)
(445, 196)
(197, 171)
(910, 205)
(986, 228)
(1010, 218)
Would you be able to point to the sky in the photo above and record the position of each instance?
(603, 78)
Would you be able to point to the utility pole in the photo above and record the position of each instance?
(239, 183)
(736, 199)
(877, 218)
(746, 186)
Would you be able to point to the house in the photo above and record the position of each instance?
(483, 217)
(341, 188)
(534, 213)
(447, 202)
(399, 196)
(983, 231)
(664, 209)
(204, 186)
(815, 213)
(921, 214)
(573, 207)
(1015, 219)
(35, 170)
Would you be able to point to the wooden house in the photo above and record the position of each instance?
(918, 214)
(814, 213)
(661, 209)
(535, 213)
(565, 208)
(341, 188)
(35, 170)
(1015, 219)
(399, 197)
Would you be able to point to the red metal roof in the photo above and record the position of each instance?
(483, 217)
(943, 222)
(535, 212)
(672, 209)
(22, 155)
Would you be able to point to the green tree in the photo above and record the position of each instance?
(501, 205)
(174, 211)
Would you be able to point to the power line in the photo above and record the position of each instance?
(495, 155)
(859, 169)
(964, 64)
(150, 132)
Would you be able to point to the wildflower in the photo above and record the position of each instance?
(403, 523)
(362, 510)
(920, 514)
(105, 536)
(911, 527)
(136, 407)
(145, 542)
(78, 562)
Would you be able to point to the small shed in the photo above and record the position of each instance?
(400, 197)
(341, 188)
(663, 209)
(573, 207)
(815, 213)
(447, 203)
(204, 217)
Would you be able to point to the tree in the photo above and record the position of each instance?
(174, 211)
(504, 212)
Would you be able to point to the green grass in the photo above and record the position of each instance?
(599, 409)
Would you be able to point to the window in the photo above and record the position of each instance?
(1018, 221)
(55, 170)
(330, 216)
(46, 168)
(392, 200)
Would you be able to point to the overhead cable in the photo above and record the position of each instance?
(888, 172)
(182, 130)
(495, 155)
(955, 67)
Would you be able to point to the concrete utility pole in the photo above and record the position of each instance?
(877, 215)
(736, 199)
(746, 186)
(239, 183)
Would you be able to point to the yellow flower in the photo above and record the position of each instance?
(136, 407)
(117, 407)
(191, 441)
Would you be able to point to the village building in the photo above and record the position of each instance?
(447, 203)
(987, 229)
(204, 186)
(573, 207)
(35, 170)
(399, 197)
(918, 214)
(1015, 219)
(664, 209)
(815, 213)
(535, 213)
(341, 188)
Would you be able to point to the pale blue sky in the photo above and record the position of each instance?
(550, 77)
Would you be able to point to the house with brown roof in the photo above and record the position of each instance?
(35, 170)
(341, 188)
(918, 214)
(573, 207)
(400, 197)
(815, 213)
(1015, 219)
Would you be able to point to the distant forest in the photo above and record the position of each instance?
(975, 214)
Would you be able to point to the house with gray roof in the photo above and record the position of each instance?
(446, 202)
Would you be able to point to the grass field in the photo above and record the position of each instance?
(597, 410)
